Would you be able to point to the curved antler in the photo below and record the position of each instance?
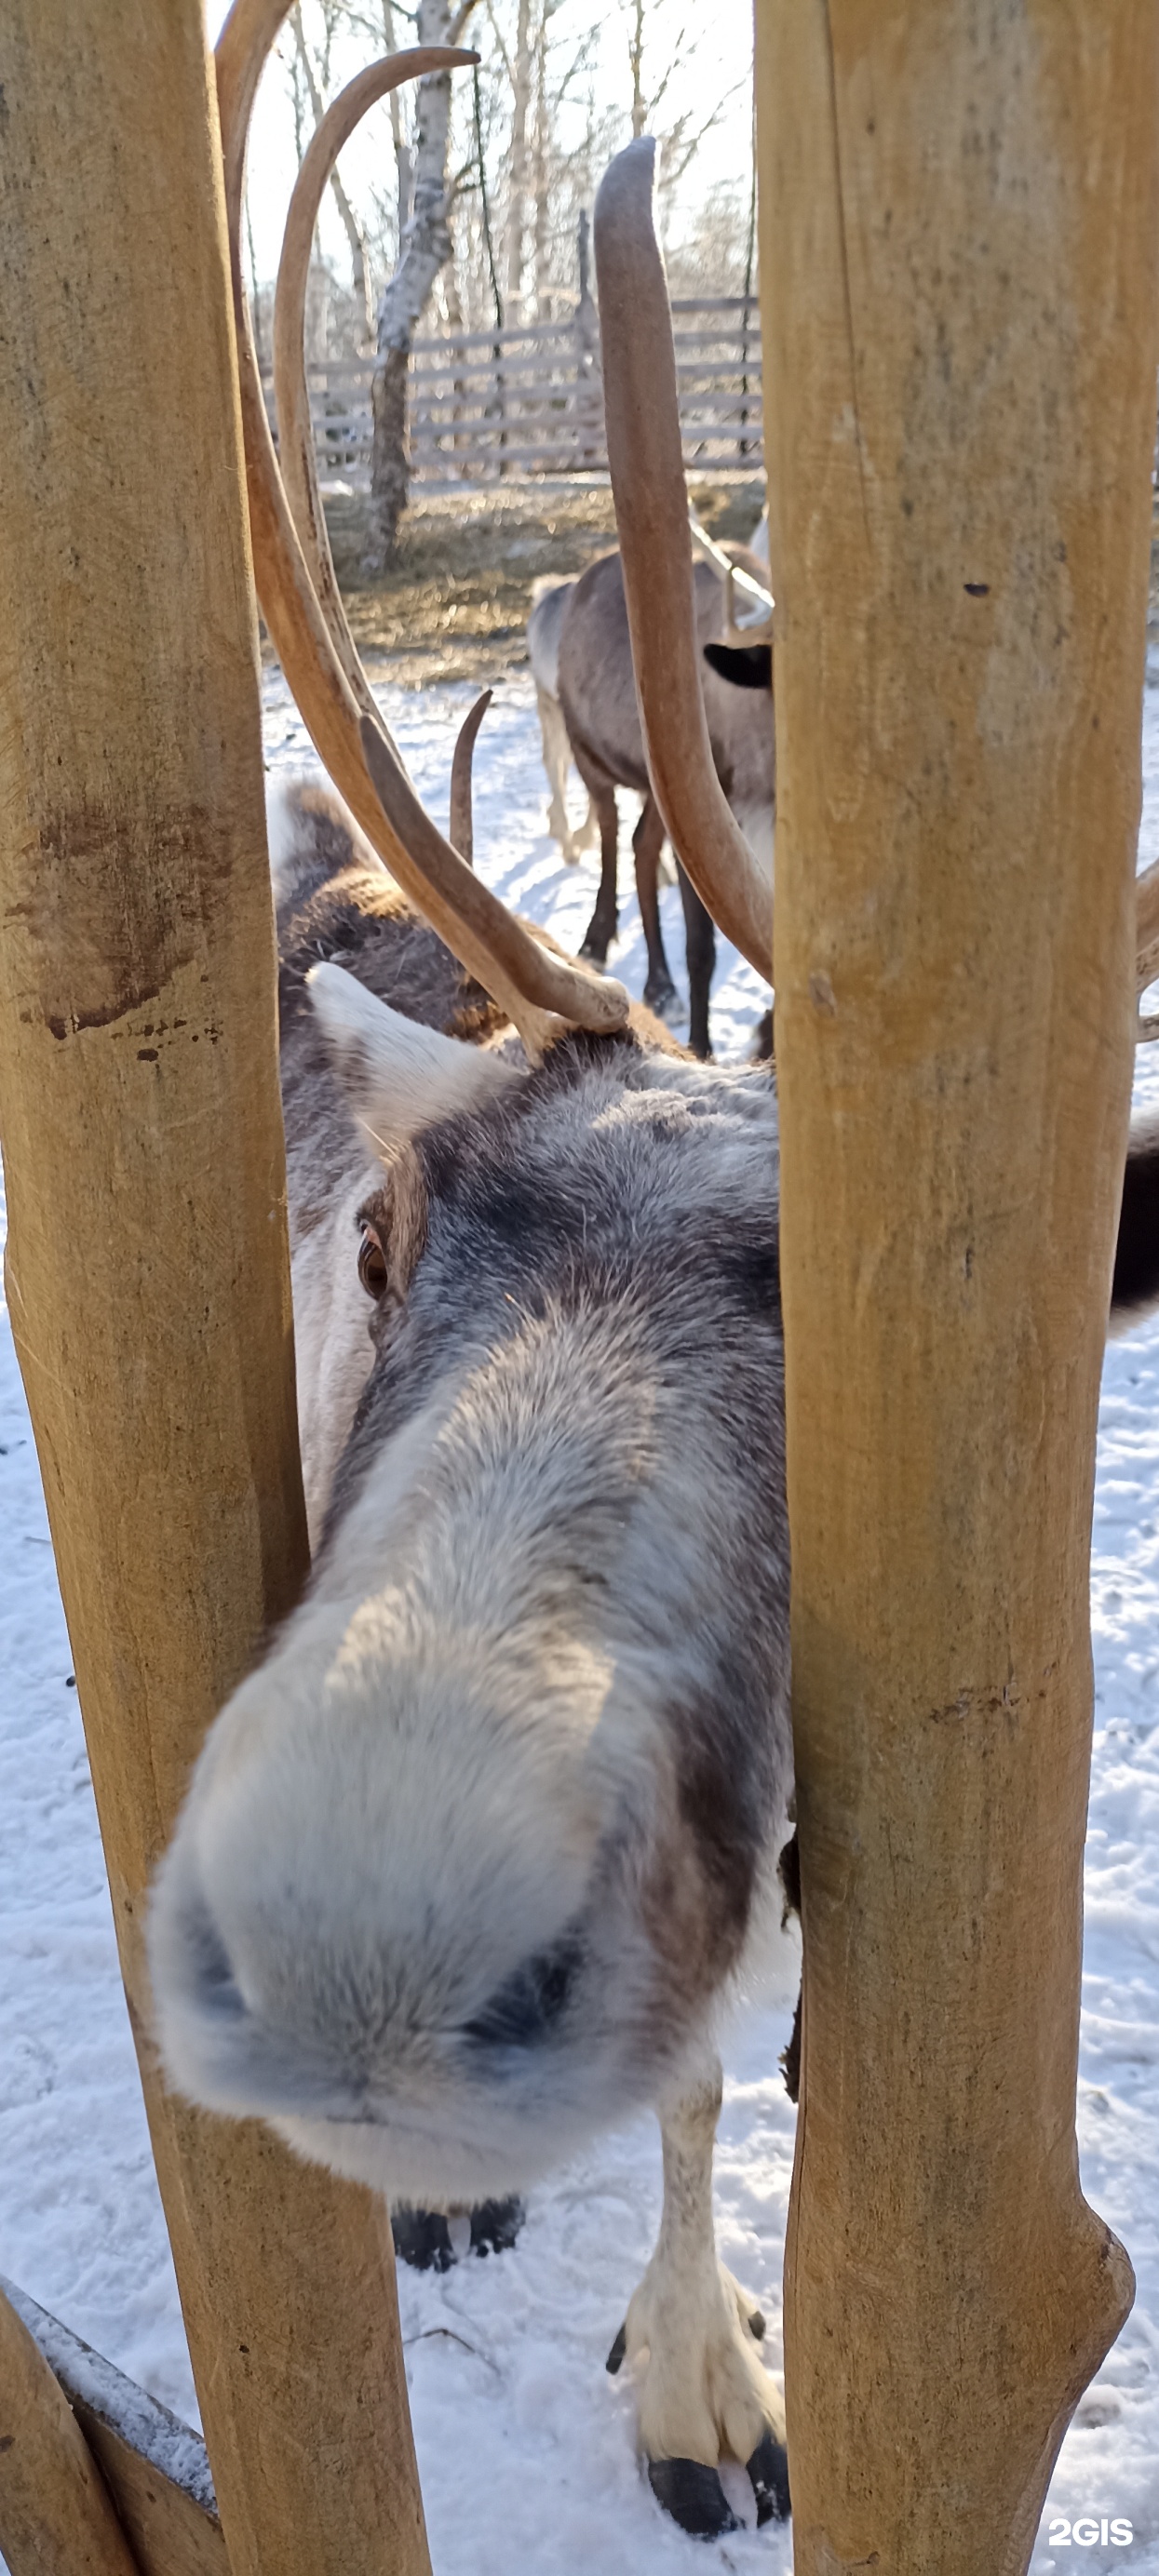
(462, 827)
(542, 993)
(647, 467)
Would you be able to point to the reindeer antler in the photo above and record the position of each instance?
(644, 453)
(461, 818)
(541, 992)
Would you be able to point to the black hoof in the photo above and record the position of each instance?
(662, 997)
(694, 2496)
(616, 2355)
(769, 2471)
(422, 2239)
(757, 2325)
(495, 2224)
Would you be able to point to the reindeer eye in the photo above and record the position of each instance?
(371, 1263)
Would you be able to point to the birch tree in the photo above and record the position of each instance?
(521, 71)
(425, 245)
(354, 234)
(402, 151)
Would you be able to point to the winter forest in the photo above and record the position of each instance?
(511, 160)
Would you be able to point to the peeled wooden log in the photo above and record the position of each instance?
(56, 2516)
(155, 2469)
(959, 238)
(147, 1264)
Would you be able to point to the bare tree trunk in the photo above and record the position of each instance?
(521, 71)
(636, 63)
(456, 351)
(360, 275)
(589, 378)
(255, 292)
(541, 172)
(425, 247)
(402, 152)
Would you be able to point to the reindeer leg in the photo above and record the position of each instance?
(660, 992)
(556, 761)
(692, 2337)
(601, 929)
(700, 949)
(589, 830)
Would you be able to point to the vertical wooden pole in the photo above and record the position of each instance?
(959, 227)
(147, 1266)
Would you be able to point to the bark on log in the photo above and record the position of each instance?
(959, 225)
(147, 1266)
(56, 2517)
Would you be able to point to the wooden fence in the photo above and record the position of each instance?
(530, 399)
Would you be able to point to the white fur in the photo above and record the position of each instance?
(289, 835)
(333, 1349)
(543, 635)
(757, 824)
(401, 1076)
(443, 1555)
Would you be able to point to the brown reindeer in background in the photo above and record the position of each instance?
(581, 658)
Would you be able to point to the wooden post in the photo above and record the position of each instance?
(56, 2518)
(959, 226)
(147, 1266)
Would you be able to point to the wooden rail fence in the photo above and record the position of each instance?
(529, 399)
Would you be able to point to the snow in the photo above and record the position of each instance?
(525, 2445)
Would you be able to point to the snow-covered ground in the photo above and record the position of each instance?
(524, 2444)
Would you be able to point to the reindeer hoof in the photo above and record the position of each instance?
(769, 2472)
(694, 2496)
(619, 2348)
(422, 2237)
(495, 2224)
(662, 997)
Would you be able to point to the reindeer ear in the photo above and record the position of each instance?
(399, 1076)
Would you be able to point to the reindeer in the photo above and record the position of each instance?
(470, 1862)
(473, 1862)
(581, 657)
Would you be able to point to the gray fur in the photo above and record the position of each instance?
(471, 1862)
